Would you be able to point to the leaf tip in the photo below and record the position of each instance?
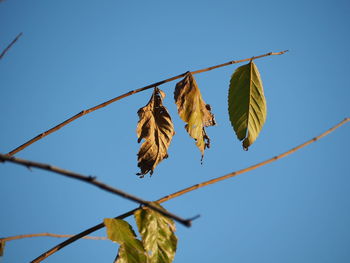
(245, 145)
(141, 174)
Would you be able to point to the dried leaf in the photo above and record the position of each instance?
(193, 110)
(156, 127)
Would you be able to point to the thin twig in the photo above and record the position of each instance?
(93, 181)
(78, 236)
(6, 239)
(10, 45)
(250, 168)
(104, 104)
(186, 190)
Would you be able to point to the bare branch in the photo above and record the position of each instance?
(10, 45)
(250, 168)
(186, 190)
(92, 180)
(6, 239)
(104, 104)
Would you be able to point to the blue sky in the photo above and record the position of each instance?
(76, 54)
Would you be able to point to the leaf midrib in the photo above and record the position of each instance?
(250, 97)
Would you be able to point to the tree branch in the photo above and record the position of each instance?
(6, 239)
(92, 180)
(186, 190)
(104, 104)
(10, 45)
(250, 168)
(78, 236)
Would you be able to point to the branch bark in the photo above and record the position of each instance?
(189, 189)
(6, 239)
(104, 104)
(78, 236)
(10, 45)
(92, 180)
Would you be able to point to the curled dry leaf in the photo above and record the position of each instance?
(156, 127)
(193, 110)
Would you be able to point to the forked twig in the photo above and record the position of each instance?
(92, 180)
(186, 190)
(104, 104)
(10, 45)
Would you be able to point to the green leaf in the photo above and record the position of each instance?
(193, 110)
(246, 103)
(156, 127)
(131, 249)
(158, 235)
(2, 247)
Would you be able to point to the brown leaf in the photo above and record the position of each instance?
(193, 110)
(156, 127)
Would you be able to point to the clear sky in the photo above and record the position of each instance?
(76, 54)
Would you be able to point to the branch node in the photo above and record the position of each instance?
(91, 178)
(188, 223)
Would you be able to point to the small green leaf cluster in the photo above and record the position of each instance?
(158, 241)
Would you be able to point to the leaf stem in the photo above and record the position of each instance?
(189, 189)
(106, 103)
